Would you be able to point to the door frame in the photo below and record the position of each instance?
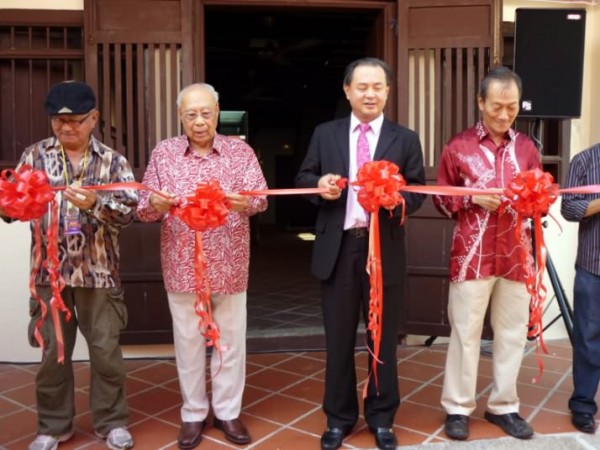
(384, 43)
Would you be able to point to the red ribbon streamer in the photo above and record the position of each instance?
(24, 195)
(379, 183)
(531, 194)
(205, 208)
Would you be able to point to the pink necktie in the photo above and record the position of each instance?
(362, 148)
(362, 152)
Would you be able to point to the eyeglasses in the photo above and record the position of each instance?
(192, 116)
(73, 123)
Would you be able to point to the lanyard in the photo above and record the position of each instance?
(65, 167)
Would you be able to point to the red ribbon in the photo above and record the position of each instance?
(531, 194)
(24, 195)
(206, 208)
(379, 183)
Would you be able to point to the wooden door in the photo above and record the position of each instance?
(138, 55)
(445, 48)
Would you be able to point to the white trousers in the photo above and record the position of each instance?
(228, 374)
(467, 304)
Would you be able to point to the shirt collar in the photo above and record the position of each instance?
(184, 144)
(375, 124)
(483, 132)
(94, 146)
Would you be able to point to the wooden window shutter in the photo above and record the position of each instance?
(138, 55)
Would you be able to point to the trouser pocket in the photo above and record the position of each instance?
(116, 297)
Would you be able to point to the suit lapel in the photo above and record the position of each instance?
(387, 136)
(342, 137)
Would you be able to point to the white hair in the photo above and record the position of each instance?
(194, 87)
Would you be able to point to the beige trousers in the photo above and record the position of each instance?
(228, 373)
(467, 305)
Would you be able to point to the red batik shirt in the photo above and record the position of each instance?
(177, 169)
(484, 243)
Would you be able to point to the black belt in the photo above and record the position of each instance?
(357, 233)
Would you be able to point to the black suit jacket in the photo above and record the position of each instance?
(329, 152)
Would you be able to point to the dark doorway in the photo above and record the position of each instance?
(284, 67)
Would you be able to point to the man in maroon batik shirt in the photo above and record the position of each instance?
(486, 262)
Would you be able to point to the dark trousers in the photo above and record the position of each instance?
(100, 315)
(586, 342)
(345, 299)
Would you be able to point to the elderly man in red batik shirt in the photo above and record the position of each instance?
(176, 166)
(486, 262)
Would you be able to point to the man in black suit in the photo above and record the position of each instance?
(341, 249)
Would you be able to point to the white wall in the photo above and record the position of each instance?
(41, 4)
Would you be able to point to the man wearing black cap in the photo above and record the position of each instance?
(89, 226)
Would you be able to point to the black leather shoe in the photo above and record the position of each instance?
(584, 422)
(385, 439)
(332, 438)
(511, 423)
(456, 426)
(190, 434)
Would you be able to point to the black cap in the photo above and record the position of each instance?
(70, 97)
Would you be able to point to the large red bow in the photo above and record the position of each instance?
(379, 183)
(24, 193)
(205, 208)
(531, 194)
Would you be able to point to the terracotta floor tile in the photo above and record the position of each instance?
(282, 401)
(268, 359)
(530, 394)
(15, 378)
(9, 407)
(152, 433)
(430, 357)
(407, 387)
(135, 385)
(281, 409)
(154, 400)
(558, 402)
(17, 424)
(172, 416)
(24, 396)
(310, 390)
(419, 418)
(418, 371)
(552, 422)
(314, 422)
(409, 437)
(253, 395)
(428, 396)
(301, 365)
(288, 439)
(272, 379)
(159, 373)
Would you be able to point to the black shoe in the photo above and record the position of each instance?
(584, 422)
(385, 439)
(511, 423)
(332, 438)
(456, 426)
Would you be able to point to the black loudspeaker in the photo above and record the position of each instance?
(548, 56)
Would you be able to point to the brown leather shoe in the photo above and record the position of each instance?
(190, 434)
(234, 430)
